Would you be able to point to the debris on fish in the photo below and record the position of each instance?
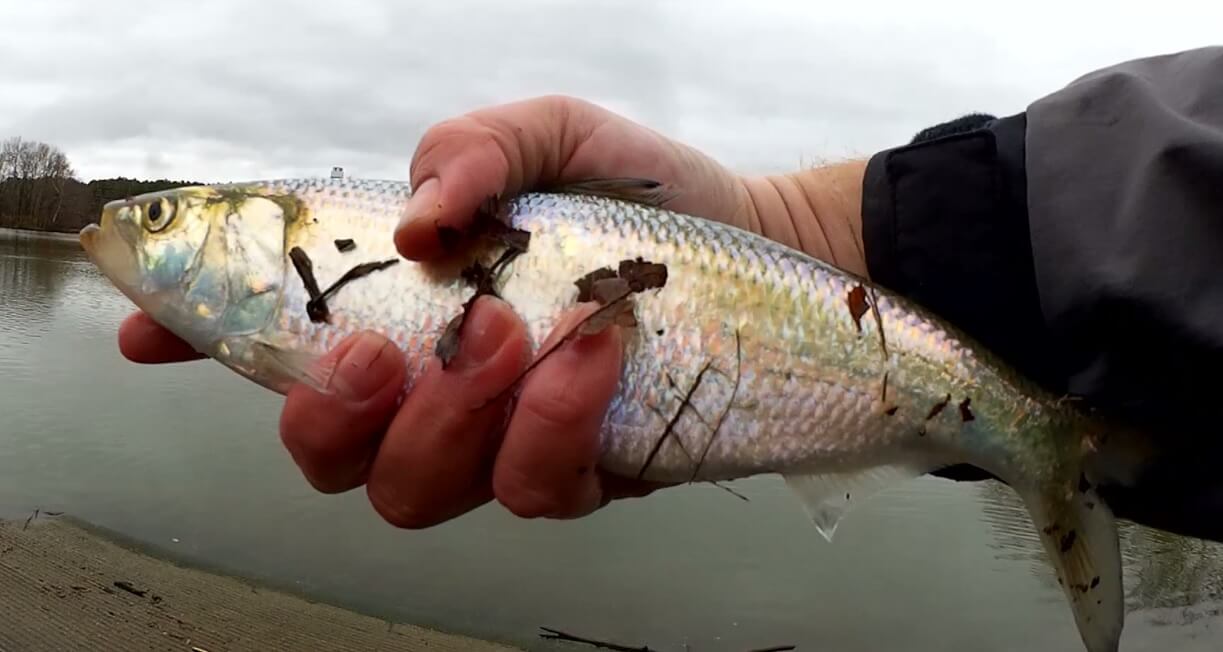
(743, 356)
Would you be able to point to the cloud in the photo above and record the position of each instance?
(232, 89)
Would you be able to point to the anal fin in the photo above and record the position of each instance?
(828, 497)
(1079, 534)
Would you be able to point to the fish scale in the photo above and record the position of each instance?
(753, 357)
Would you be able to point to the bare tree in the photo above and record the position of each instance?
(33, 180)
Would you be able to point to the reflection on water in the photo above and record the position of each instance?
(186, 458)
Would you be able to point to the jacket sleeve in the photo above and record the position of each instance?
(1082, 241)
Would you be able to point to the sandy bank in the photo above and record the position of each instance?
(65, 586)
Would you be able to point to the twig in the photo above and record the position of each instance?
(31, 518)
(726, 410)
(883, 340)
(317, 309)
(675, 419)
(127, 586)
(557, 635)
(730, 491)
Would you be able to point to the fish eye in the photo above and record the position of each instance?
(158, 214)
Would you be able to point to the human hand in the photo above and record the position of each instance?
(436, 455)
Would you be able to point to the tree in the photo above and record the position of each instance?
(39, 189)
(33, 181)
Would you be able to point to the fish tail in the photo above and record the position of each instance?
(1079, 534)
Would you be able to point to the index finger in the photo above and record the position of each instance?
(145, 341)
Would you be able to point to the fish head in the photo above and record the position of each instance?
(206, 262)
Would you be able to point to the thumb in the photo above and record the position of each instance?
(499, 151)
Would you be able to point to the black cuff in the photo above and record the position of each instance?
(945, 223)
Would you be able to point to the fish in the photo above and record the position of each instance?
(742, 357)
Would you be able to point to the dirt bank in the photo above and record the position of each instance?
(65, 586)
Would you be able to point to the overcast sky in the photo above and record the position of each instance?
(226, 90)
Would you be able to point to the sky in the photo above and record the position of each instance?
(236, 89)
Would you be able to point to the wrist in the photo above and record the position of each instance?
(816, 210)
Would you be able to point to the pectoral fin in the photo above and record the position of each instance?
(828, 497)
(287, 367)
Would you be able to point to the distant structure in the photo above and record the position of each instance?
(337, 172)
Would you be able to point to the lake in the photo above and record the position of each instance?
(186, 458)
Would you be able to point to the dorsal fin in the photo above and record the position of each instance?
(639, 191)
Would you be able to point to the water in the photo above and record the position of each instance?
(186, 458)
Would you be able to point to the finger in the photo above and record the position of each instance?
(546, 465)
(498, 151)
(435, 461)
(145, 341)
(332, 437)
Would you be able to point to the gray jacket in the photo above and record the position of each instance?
(1082, 240)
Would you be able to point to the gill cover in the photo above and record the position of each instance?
(254, 264)
(233, 285)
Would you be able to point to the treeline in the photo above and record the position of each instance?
(39, 189)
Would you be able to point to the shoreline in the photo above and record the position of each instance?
(34, 233)
(66, 584)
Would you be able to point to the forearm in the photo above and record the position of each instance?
(816, 210)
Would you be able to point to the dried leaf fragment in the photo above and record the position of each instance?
(615, 294)
(857, 305)
(512, 238)
(345, 245)
(966, 414)
(586, 283)
(305, 269)
(938, 407)
(448, 344)
(642, 275)
(484, 280)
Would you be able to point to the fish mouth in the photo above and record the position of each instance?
(113, 254)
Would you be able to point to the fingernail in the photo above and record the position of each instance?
(487, 329)
(422, 203)
(365, 368)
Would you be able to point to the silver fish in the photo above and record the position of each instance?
(762, 359)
